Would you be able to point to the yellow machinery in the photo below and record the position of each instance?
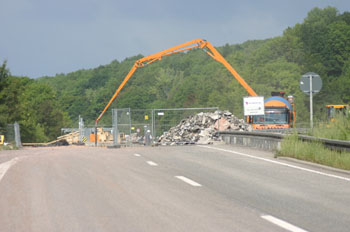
(333, 110)
(2, 139)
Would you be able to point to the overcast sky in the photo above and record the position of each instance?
(46, 37)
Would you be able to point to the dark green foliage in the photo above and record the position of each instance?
(33, 105)
(42, 113)
(4, 73)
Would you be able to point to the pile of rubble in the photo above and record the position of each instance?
(201, 128)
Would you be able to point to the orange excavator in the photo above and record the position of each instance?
(280, 106)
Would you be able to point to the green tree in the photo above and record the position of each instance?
(42, 114)
(4, 73)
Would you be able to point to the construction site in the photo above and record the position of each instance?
(134, 126)
(200, 128)
(174, 116)
(190, 125)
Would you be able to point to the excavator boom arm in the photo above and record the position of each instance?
(197, 43)
(218, 57)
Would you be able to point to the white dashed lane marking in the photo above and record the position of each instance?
(188, 181)
(151, 163)
(282, 224)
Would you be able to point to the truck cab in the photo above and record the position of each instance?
(279, 113)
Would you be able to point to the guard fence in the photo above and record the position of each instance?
(272, 141)
(139, 126)
(145, 125)
(134, 126)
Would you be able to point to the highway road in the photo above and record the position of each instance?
(183, 188)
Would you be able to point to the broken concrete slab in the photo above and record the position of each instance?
(202, 128)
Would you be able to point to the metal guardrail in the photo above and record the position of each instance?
(330, 143)
(287, 131)
(268, 136)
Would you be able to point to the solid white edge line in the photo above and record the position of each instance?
(151, 163)
(4, 167)
(283, 224)
(137, 155)
(188, 181)
(280, 163)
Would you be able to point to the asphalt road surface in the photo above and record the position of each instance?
(184, 188)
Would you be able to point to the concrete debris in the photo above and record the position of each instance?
(201, 128)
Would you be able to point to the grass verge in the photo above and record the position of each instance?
(338, 128)
(314, 152)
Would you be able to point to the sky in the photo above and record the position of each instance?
(49, 37)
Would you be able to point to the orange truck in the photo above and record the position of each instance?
(279, 113)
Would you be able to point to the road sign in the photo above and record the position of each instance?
(310, 83)
(315, 82)
(253, 106)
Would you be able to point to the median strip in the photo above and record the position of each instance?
(188, 181)
(282, 224)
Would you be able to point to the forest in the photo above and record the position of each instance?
(320, 44)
